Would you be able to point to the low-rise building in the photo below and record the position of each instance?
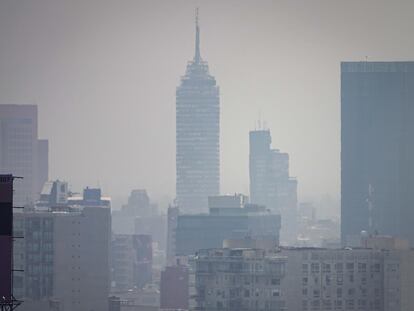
(239, 279)
(377, 276)
(174, 288)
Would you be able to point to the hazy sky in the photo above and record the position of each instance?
(104, 73)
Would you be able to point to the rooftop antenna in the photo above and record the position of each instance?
(371, 207)
(260, 119)
(197, 56)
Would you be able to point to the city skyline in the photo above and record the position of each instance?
(206, 155)
(105, 64)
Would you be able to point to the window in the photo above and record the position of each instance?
(350, 266)
(339, 292)
(315, 268)
(362, 304)
(362, 267)
(316, 293)
(326, 267)
(350, 304)
(315, 304)
(327, 304)
(275, 293)
(363, 292)
(338, 304)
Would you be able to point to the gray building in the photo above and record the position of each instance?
(172, 216)
(64, 255)
(239, 279)
(375, 277)
(42, 162)
(270, 183)
(233, 220)
(197, 135)
(21, 153)
(131, 261)
(377, 153)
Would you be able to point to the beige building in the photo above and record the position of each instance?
(239, 279)
(378, 276)
(66, 259)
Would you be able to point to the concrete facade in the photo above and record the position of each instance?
(378, 278)
(65, 254)
(239, 279)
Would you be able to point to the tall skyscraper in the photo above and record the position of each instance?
(197, 135)
(21, 154)
(270, 183)
(377, 152)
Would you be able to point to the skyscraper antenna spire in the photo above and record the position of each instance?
(197, 56)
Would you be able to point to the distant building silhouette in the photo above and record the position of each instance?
(377, 149)
(270, 183)
(141, 216)
(197, 135)
(172, 217)
(21, 153)
(42, 162)
(131, 261)
(138, 204)
(228, 218)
